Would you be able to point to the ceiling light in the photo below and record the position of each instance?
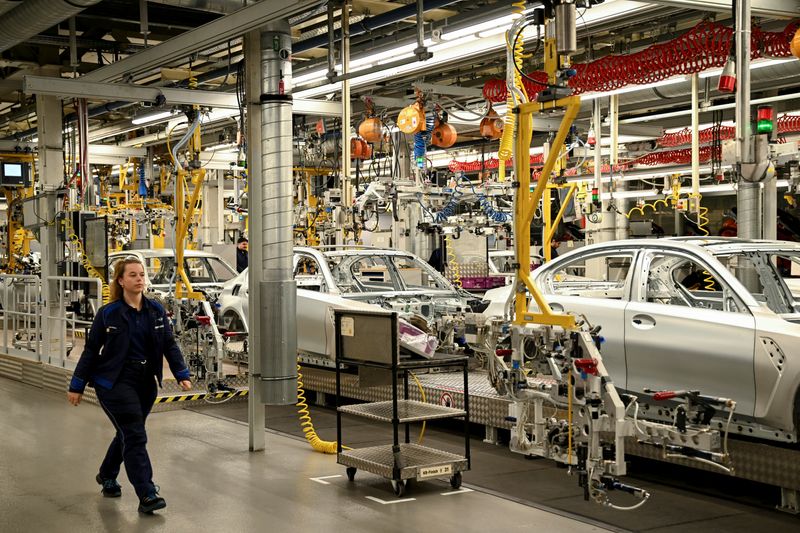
(149, 117)
(634, 88)
(757, 64)
(779, 98)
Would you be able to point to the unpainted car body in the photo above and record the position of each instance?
(715, 315)
(363, 278)
(205, 270)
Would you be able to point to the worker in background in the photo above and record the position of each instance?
(122, 360)
(241, 254)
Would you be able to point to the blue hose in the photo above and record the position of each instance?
(421, 141)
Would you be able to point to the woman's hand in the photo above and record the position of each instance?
(186, 384)
(74, 398)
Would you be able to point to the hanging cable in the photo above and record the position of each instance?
(455, 271)
(319, 445)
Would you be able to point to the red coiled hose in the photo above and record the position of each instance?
(703, 47)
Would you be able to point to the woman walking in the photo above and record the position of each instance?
(123, 355)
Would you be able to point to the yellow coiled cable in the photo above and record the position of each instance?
(702, 223)
(84, 259)
(455, 272)
(653, 206)
(317, 444)
(506, 150)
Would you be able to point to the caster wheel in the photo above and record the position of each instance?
(351, 473)
(399, 488)
(455, 480)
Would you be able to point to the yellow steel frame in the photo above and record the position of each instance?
(526, 203)
(184, 215)
(550, 226)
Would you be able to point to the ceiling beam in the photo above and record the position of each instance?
(218, 31)
(760, 8)
(79, 88)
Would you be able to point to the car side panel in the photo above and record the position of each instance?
(690, 348)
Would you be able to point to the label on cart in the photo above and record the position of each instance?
(348, 326)
(435, 471)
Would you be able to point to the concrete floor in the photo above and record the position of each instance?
(50, 454)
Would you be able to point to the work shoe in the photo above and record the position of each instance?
(111, 489)
(151, 502)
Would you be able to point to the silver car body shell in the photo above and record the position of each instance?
(752, 357)
(315, 334)
(157, 253)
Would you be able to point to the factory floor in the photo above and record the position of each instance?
(51, 450)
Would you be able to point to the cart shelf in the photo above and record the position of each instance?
(407, 411)
(414, 461)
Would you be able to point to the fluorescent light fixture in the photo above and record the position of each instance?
(648, 118)
(754, 65)
(153, 116)
(457, 45)
(221, 146)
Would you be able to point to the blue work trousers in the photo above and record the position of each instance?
(127, 404)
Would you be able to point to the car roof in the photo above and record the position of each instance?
(722, 245)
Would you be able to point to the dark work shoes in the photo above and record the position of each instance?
(111, 489)
(151, 502)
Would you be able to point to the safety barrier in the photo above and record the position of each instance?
(22, 312)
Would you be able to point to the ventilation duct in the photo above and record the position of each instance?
(32, 17)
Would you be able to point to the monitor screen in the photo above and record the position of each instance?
(12, 170)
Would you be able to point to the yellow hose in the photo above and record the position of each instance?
(702, 223)
(318, 445)
(84, 259)
(424, 400)
(455, 272)
(653, 206)
(506, 150)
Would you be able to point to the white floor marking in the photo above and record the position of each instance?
(459, 491)
(382, 502)
(321, 480)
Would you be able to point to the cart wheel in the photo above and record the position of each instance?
(351, 473)
(399, 487)
(455, 480)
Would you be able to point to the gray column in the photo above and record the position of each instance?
(255, 409)
(51, 176)
(274, 191)
(770, 221)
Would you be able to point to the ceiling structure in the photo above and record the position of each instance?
(465, 38)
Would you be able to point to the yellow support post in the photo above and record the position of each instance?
(526, 204)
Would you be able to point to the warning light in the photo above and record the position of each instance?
(766, 119)
(590, 138)
(595, 195)
(727, 80)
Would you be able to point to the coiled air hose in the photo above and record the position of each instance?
(421, 141)
(506, 150)
(84, 260)
(455, 271)
(317, 444)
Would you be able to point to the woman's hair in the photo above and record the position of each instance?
(119, 271)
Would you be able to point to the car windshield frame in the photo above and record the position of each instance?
(343, 277)
(777, 295)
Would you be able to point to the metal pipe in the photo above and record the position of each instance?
(32, 17)
(331, 47)
(347, 191)
(272, 231)
(619, 185)
(748, 219)
(695, 136)
(770, 220)
(372, 24)
(420, 29)
(743, 144)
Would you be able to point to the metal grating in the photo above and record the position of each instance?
(380, 460)
(407, 411)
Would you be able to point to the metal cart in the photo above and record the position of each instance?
(369, 341)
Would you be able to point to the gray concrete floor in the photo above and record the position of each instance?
(51, 451)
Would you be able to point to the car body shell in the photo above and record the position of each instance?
(159, 268)
(318, 294)
(744, 351)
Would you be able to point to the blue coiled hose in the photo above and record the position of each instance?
(486, 204)
(421, 141)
